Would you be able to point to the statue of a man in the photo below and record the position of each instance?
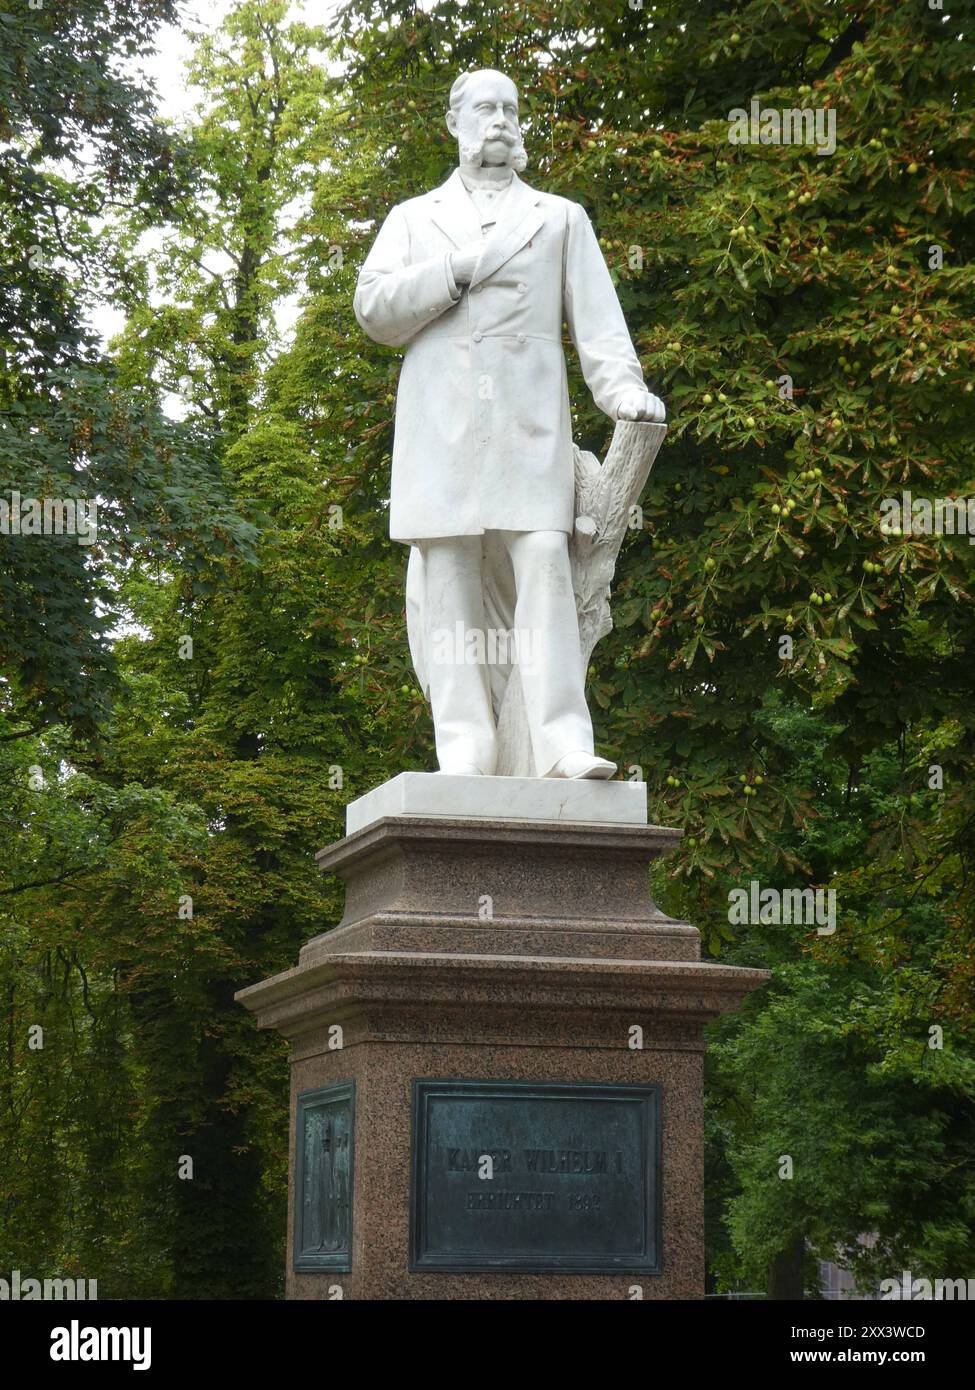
(475, 279)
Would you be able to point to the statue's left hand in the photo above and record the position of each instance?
(641, 405)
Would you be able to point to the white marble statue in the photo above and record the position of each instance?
(475, 280)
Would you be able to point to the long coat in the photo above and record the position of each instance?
(483, 437)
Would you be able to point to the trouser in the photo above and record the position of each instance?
(546, 639)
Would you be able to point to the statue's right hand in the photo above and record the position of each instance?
(463, 262)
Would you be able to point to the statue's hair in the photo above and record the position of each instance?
(458, 88)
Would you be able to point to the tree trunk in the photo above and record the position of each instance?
(785, 1275)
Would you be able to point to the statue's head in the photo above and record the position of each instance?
(484, 116)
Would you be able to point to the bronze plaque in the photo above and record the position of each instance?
(325, 1129)
(513, 1175)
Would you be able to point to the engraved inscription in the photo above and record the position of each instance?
(545, 1176)
(323, 1178)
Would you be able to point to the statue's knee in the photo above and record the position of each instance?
(547, 547)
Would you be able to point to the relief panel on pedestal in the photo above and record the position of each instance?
(324, 1152)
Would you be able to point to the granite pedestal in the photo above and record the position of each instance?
(496, 1066)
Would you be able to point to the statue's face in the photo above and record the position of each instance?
(486, 122)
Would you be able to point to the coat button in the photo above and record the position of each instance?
(523, 288)
(477, 336)
(521, 337)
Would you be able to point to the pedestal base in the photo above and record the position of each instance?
(496, 953)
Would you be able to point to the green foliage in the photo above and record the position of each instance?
(80, 139)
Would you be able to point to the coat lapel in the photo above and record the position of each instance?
(454, 213)
(520, 218)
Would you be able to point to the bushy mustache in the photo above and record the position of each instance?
(472, 152)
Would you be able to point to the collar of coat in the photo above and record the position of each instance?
(519, 218)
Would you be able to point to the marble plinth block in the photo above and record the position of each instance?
(501, 798)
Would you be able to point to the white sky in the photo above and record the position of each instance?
(173, 50)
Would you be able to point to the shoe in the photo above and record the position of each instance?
(460, 770)
(579, 765)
